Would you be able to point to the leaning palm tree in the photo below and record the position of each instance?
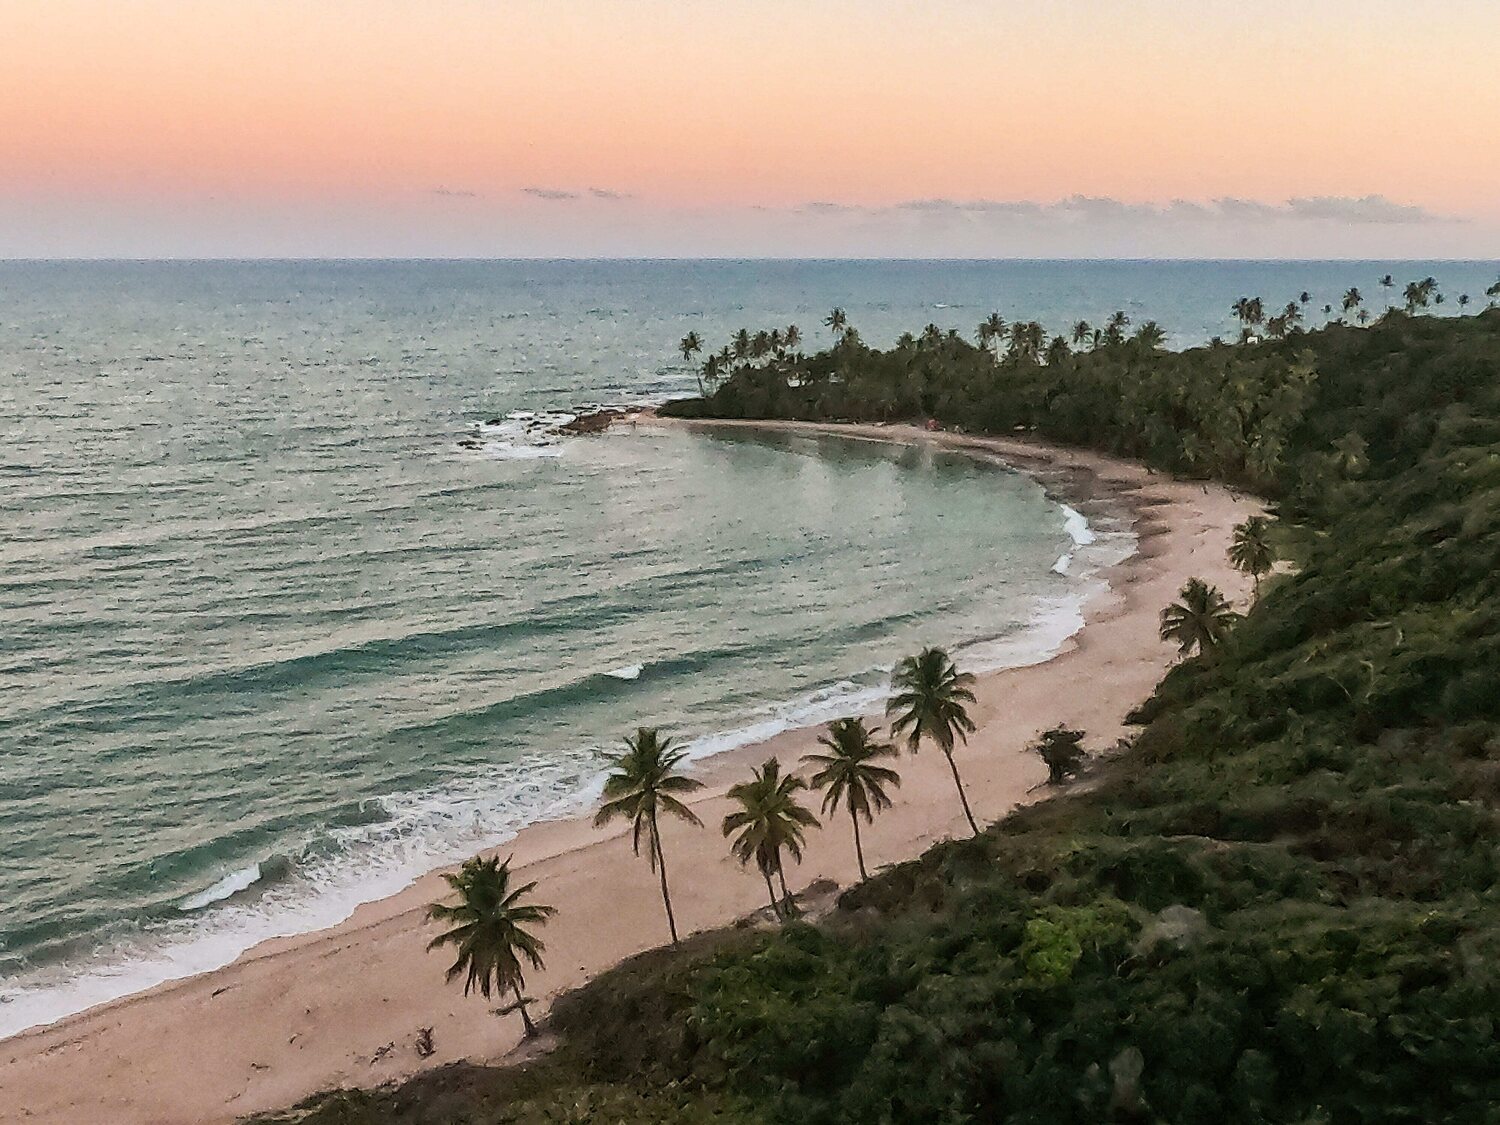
(929, 702)
(690, 345)
(769, 821)
(1200, 619)
(1250, 551)
(848, 775)
(489, 929)
(644, 783)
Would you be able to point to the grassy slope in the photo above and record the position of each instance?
(1280, 905)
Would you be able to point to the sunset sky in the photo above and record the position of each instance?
(148, 128)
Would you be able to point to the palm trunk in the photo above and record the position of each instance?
(963, 798)
(661, 867)
(859, 851)
(529, 1028)
(786, 895)
(771, 892)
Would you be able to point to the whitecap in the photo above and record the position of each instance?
(231, 884)
(629, 672)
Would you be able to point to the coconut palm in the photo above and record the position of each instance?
(1386, 283)
(490, 930)
(1200, 619)
(769, 821)
(1250, 551)
(848, 775)
(992, 328)
(1114, 327)
(690, 345)
(1353, 298)
(837, 320)
(1082, 332)
(1150, 335)
(792, 336)
(1463, 302)
(643, 784)
(929, 702)
(1414, 296)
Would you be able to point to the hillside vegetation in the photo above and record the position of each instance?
(1279, 905)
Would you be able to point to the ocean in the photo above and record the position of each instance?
(273, 642)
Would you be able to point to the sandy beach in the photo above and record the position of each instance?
(344, 1006)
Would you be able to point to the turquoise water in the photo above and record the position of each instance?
(273, 642)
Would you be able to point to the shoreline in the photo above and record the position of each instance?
(342, 1006)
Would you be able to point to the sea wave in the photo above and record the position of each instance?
(409, 834)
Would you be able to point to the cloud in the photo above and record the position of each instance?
(455, 193)
(613, 196)
(1367, 209)
(1107, 210)
(549, 193)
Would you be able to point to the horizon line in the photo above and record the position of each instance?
(705, 259)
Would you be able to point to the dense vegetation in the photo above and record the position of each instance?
(1278, 905)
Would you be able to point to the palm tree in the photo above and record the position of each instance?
(1493, 292)
(1463, 303)
(1250, 551)
(489, 929)
(1200, 619)
(645, 782)
(837, 320)
(1415, 296)
(690, 345)
(1250, 310)
(848, 775)
(769, 821)
(741, 343)
(1027, 339)
(1353, 298)
(1082, 330)
(1114, 327)
(792, 336)
(1150, 335)
(992, 328)
(1386, 283)
(1304, 297)
(929, 699)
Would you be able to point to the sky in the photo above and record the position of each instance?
(800, 128)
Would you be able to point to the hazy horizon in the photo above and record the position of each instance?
(581, 129)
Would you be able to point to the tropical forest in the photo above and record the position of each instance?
(1276, 902)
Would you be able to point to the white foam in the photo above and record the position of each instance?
(629, 672)
(432, 828)
(1077, 526)
(231, 884)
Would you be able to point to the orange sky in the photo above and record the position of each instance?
(704, 104)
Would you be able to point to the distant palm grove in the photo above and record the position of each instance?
(1278, 902)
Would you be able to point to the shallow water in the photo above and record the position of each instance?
(273, 642)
